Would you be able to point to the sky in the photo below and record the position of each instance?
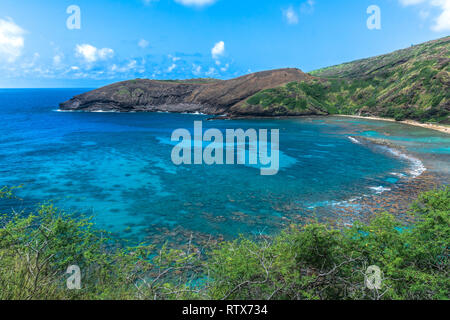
(91, 43)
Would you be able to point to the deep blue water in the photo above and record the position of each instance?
(117, 167)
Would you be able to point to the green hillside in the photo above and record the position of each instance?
(412, 83)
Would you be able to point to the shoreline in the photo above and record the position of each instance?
(436, 127)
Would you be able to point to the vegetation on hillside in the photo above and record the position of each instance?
(315, 261)
(413, 83)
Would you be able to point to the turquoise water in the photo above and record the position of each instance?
(117, 168)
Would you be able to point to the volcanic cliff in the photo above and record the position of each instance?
(209, 96)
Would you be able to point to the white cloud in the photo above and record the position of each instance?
(143, 43)
(196, 70)
(442, 22)
(91, 54)
(12, 40)
(132, 64)
(29, 63)
(411, 2)
(290, 15)
(218, 50)
(308, 6)
(57, 60)
(127, 67)
(225, 68)
(195, 3)
(174, 58)
(172, 67)
(211, 71)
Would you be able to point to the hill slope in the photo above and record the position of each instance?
(413, 83)
(197, 95)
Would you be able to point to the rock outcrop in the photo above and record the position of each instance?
(209, 96)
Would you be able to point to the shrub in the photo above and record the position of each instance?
(313, 261)
(320, 262)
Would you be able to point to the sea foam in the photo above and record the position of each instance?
(417, 166)
(354, 140)
(380, 189)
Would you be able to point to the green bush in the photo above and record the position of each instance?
(37, 248)
(313, 261)
(320, 262)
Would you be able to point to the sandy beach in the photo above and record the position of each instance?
(437, 127)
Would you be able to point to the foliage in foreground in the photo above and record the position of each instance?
(315, 261)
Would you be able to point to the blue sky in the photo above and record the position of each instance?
(178, 39)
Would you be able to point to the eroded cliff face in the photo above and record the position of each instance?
(215, 97)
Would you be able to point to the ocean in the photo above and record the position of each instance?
(117, 168)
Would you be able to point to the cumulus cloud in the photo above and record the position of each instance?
(308, 6)
(442, 22)
(172, 67)
(290, 15)
(174, 58)
(143, 43)
(57, 60)
(225, 68)
(127, 67)
(196, 70)
(218, 50)
(195, 3)
(211, 72)
(93, 62)
(12, 40)
(91, 54)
